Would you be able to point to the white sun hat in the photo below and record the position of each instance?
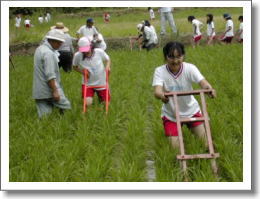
(139, 26)
(56, 34)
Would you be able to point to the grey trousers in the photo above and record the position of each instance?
(45, 106)
(167, 16)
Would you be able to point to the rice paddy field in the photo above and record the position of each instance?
(128, 144)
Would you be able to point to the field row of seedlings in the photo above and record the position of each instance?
(118, 147)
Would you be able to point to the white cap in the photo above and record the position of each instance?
(56, 34)
(139, 26)
(84, 44)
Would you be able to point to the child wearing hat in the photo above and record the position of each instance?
(66, 50)
(229, 31)
(93, 60)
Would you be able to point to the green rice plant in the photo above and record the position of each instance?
(93, 147)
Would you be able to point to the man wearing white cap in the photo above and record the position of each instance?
(138, 39)
(92, 59)
(47, 88)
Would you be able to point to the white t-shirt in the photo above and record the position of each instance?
(151, 35)
(87, 32)
(230, 33)
(48, 15)
(40, 19)
(94, 65)
(27, 21)
(151, 14)
(46, 19)
(210, 27)
(196, 26)
(241, 29)
(101, 44)
(18, 21)
(182, 81)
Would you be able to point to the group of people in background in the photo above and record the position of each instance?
(147, 36)
(44, 18)
(174, 75)
(57, 51)
(227, 35)
(27, 21)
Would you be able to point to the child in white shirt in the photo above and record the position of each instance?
(196, 24)
(92, 59)
(40, 19)
(240, 30)
(27, 23)
(211, 34)
(151, 12)
(18, 20)
(229, 31)
(177, 75)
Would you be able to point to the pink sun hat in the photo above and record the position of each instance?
(84, 44)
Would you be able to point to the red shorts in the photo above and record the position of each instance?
(101, 93)
(27, 25)
(227, 39)
(197, 38)
(170, 127)
(214, 37)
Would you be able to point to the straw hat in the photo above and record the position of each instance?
(60, 26)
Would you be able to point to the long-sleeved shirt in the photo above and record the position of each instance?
(67, 45)
(150, 35)
(46, 68)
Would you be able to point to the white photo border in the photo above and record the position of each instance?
(6, 185)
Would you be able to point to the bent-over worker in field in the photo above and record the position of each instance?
(47, 88)
(138, 39)
(177, 75)
(92, 59)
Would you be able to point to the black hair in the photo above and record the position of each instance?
(149, 8)
(170, 47)
(190, 18)
(146, 23)
(210, 16)
(240, 18)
